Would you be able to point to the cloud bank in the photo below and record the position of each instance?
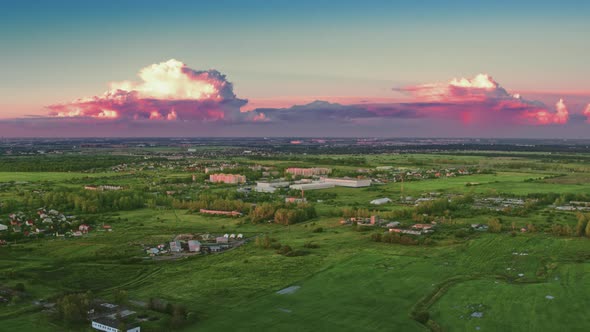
(171, 99)
(166, 91)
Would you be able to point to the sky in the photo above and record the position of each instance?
(295, 68)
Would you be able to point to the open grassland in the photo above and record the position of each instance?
(346, 282)
(47, 176)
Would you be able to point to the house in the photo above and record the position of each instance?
(392, 224)
(107, 228)
(405, 231)
(295, 200)
(221, 239)
(194, 246)
(423, 227)
(175, 246)
(84, 228)
(380, 201)
(3, 227)
(109, 324)
(152, 251)
(76, 233)
(240, 236)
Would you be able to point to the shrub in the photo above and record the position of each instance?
(311, 245)
(318, 230)
(421, 316)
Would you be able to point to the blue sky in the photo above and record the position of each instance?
(56, 51)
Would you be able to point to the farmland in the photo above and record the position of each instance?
(528, 276)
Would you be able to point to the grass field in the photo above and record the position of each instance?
(46, 176)
(348, 283)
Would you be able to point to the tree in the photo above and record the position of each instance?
(73, 308)
(581, 225)
(588, 230)
(121, 296)
(494, 225)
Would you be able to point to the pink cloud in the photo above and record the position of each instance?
(587, 113)
(482, 98)
(166, 91)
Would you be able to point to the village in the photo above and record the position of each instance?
(46, 223)
(184, 245)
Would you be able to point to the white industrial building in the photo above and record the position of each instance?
(108, 324)
(348, 182)
(270, 186)
(312, 186)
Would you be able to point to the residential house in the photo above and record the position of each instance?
(194, 246)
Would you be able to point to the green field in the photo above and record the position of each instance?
(534, 281)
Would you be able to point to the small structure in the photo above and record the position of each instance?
(295, 200)
(424, 227)
(221, 213)
(405, 231)
(3, 227)
(479, 227)
(221, 239)
(175, 246)
(392, 224)
(380, 201)
(84, 228)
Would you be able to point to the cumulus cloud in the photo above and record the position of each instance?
(477, 101)
(483, 98)
(587, 113)
(166, 91)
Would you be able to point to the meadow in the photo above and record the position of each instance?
(512, 281)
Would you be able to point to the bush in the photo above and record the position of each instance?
(311, 245)
(421, 316)
(461, 233)
(318, 230)
(20, 287)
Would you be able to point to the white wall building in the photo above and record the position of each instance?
(270, 186)
(346, 182)
(111, 325)
(312, 186)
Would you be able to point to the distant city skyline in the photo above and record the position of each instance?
(305, 68)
